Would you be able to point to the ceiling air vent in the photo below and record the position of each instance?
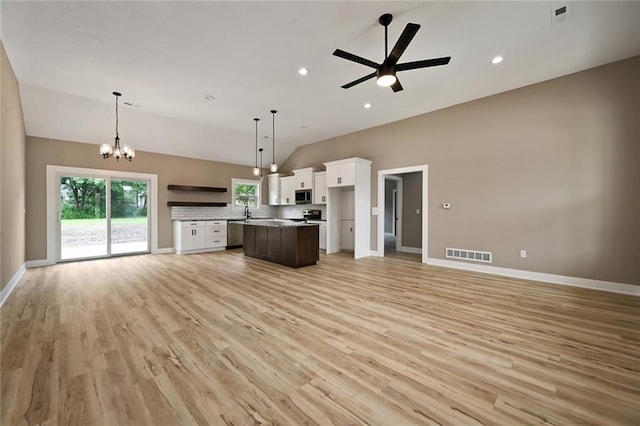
(559, 14)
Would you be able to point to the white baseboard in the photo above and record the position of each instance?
(166, 250)
(411, 249)
(6, 291)
(540, 276)
(39, 263)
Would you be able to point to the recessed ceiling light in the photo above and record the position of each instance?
(209, 97)
(497, 60)
(303, 71)
(367, 105)
(129, 104)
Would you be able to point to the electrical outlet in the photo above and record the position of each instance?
(417, 211)
(523, 253)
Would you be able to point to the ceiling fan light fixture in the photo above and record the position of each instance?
(386, 80)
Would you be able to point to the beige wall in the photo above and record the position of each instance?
(170, 170)
(551, 168)
(12, 174)
(411, 200)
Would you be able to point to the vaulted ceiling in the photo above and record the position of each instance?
(165, 57)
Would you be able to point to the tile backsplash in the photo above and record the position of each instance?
(233, 212)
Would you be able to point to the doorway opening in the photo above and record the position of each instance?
(409, 233)
(392, 214)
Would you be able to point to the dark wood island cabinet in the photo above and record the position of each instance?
(288, 243)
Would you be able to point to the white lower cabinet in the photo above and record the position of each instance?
(322, 233)
(199, 235)
(323, 237)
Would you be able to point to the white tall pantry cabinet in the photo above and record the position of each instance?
(353, 174)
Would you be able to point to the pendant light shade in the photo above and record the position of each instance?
(116, 150)
(274, 166)
(256, 170)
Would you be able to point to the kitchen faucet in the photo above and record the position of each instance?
(247, 215)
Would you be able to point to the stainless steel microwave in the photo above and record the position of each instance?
(303, 196)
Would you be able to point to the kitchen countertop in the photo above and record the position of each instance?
(233, 219)
(278, 223)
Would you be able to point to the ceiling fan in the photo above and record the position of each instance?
(386, 71)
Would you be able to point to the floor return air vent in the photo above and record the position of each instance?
(477, 256)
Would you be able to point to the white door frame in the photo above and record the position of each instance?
(53, 195)
(382, 174)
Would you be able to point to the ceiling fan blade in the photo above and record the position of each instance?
(358, 81)
(355, 58)
(396, 87)
(405, 38)
(423, 64)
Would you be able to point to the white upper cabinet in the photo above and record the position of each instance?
(341, 173)
(287, 190)
(303, 178)
(274, 189)
(320, 188)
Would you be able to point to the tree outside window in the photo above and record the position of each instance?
(246, 193)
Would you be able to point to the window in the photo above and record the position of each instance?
(246, 192)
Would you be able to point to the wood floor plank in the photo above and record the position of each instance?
(217, 338)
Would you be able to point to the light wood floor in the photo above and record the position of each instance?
(222, 339)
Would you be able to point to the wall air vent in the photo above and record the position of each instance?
(559, 14)
(476, 256)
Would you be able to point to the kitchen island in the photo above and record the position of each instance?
(289, 243)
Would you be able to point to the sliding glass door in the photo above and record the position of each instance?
(83, 221)
(129, 221)
(101, 217)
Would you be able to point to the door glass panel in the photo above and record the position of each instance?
(83, 222)
(129, 221)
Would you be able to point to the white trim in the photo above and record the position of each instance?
(53, 171)
(11, 285)
(374, 253)
(411, 249)
(38, 263)
(166, 250)
(540, 276)
(425, 206)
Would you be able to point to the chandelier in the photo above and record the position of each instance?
(116, 150)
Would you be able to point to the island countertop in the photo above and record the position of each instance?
(277, 223)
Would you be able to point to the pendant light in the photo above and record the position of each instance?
(261, 162)
(256, 170)
(274, 166)
(116, 150)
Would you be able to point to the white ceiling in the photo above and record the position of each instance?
(166, 56)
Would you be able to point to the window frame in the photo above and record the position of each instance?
(256, 183)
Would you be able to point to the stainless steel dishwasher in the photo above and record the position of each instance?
(235, 233)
